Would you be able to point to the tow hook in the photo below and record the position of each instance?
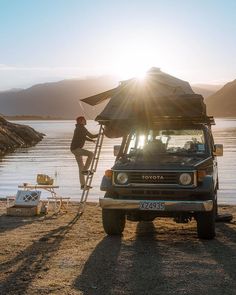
(182, 219)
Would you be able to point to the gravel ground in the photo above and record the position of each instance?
(64, 254)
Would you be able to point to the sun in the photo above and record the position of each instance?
(129, 70)
(133, 60)
(141, 76)
(131, 64)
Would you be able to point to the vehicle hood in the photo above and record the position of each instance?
(165, 163)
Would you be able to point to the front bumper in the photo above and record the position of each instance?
(173, 206)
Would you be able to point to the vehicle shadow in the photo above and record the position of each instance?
(101, 271)
(146, 273)
(161, 261)
(223, 252)
(24, 267)
(119, 266)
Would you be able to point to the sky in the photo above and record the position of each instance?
(51, 40)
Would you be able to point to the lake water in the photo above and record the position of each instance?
(52, 156)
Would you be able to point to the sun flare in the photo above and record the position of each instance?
(133, 60)
(132, 71)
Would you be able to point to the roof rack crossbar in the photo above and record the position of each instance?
(209, 120)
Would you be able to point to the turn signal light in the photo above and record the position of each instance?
(201, 174)
(108, 173)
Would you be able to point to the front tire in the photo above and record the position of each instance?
(206, 223)
(113, 221)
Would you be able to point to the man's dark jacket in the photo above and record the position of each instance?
(81, 134)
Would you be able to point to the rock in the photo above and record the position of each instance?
(13, 136)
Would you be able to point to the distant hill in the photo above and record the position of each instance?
(205, 89)
(223, 102)
(57, 99)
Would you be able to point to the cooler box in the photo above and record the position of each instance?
(18, 210)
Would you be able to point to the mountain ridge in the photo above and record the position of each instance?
(223, 102)
(55, 99)
(61, 99)
(205, 90)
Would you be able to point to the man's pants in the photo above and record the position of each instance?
(79, 153)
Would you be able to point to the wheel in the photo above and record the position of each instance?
(206, 223)
(113, 221)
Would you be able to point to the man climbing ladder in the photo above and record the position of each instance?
(81, 134)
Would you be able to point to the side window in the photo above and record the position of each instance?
(211, 141)
(132, 143)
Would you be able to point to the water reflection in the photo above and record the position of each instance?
(225, 132)
(52, 156)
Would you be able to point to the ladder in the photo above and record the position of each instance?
(92, 170)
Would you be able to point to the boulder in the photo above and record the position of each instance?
(14, 136)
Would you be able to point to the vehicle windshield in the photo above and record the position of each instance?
(171, 141)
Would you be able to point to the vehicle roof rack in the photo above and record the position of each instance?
(208, 120)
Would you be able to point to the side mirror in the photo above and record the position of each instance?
(218, 150)
(116, 150)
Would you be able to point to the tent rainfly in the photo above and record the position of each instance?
(138, 102)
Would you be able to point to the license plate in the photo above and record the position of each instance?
(152, 205)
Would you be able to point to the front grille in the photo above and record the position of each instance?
(154, 177)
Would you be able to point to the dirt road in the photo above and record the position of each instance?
(66, 255)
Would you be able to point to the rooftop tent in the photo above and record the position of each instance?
(135, 102)
(162, 83)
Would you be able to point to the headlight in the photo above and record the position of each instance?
(185, 179)
(122, 178)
